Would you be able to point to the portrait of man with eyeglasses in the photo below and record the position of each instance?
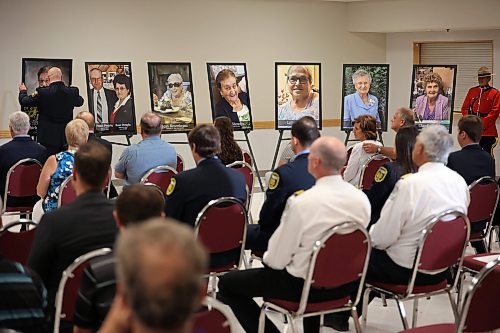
(101, 100)
(298, 95)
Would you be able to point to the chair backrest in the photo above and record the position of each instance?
(349, 152)
(160, 176)
(69, 286)
(441, 245)
(247, 158)
(480, 309)
(483, 200)
(339, 257)
(247, 171)
(213, 318)
(180, 163)
(369, 169)
(17, 245)
(21, 181)
(221, 226)
(67, 193)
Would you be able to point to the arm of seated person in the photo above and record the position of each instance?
(371, 148)
(47, 171)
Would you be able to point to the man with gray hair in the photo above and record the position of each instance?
(306, 218)
(151, 152)
(20, 147)
(160, 266)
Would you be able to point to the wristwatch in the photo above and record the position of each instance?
(378, 149)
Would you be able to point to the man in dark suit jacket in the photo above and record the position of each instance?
(21, 147)
(86, 224)
(55, 106)
(108, 97)
(191, 190)
(472, 162)
(284, 182)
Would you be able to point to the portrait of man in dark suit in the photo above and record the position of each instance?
(101, 100)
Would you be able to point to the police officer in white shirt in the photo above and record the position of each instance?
(306, 218)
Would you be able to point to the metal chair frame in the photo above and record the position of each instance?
(165, 168)
(180, 163)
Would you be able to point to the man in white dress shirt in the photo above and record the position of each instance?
(306, 219)
(101, 100)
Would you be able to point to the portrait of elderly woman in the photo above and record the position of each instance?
(361, 102)
(433, 105)
(175, 97)
(234, 102)
(299, 98)
(123, 113)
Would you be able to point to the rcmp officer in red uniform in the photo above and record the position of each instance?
(484, 101)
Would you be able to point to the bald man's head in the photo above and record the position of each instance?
(150, 124)
(327, 157)
(86, 117)
(55, 74)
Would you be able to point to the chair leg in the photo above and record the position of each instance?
(292, 323)
(453, 305)
(384, 300)
(366, 298)
(415, 313)
(460, 283)
(262, 318)
(402, 312)
(355, 318)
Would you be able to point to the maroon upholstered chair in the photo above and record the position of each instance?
(160, 176)
(247, 171)
(369, 170)
(442, 245)
(180, 163)
(67, 193)
(338, 258)
(17, 245)
(247, 158)
(483, 203)
(67, 292)
(213, 318)
(20, 185)
(480, 309)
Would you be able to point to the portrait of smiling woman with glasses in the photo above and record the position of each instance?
(175, 97)
(301, 100)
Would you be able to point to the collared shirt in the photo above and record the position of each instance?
(415, 198)
(358, 158)
(104, 104)
(308, 216)
(118, 104)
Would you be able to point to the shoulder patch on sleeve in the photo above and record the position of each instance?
(299, 192)
(381, 174)
(171, 186)
(274, 181)
(34, 93)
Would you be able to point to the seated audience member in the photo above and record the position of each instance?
(20, 147)
(365, 129)
(59, 166)
(401, 118)
(230, 150)
(306, 218)
(24, 299)
(151, 152)
(84, 225)
(284, 181)
(189, 191)
(472, 162)
(159, 267)
(416, 197)
(135, 204)
(88, 118)
(389, 173)
(287, 154)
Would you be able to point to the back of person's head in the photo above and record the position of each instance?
(92, 162)
(77, 132)
(225, 127)
(55, 74)
(138, 203)
(160, 266)
(367, 125)
(472, 125)
(206, 139)
(19, 123)
(87, 117)
(305, 130)
(437, 143)
(407, 115)
(122, 79)
(150, 124)
(331, 152)
(405, 141)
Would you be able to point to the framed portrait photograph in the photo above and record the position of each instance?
(172, 98)
(297, 93)
(229, 94)
(365, 91)
(110, 97)
(432, 94)
(35, 74)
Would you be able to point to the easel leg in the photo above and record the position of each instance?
(254, 160)
(380, 138)
(277, 149)
(347, 135)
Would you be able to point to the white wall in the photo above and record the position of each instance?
(198, 31)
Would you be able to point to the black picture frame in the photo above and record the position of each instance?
(116, 121)
(448, 74)
(29, 76)
(220, 107)
(175, 119)
(282, 119)
(378, 90)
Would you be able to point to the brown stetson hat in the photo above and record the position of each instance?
(484, 72)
